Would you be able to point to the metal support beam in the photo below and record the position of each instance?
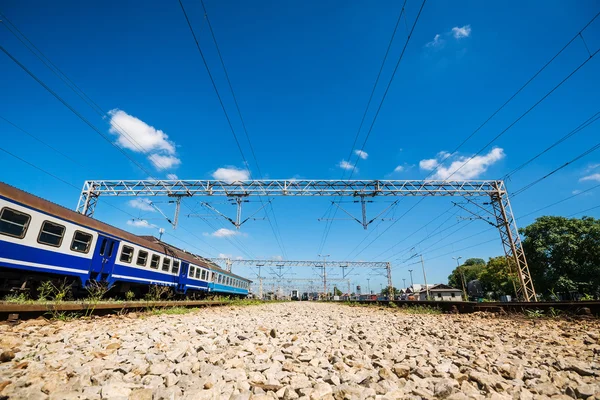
(302, 263)
(511, 241)
(391, 293)
(493, 189)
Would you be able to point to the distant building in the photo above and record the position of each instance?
(441, 292)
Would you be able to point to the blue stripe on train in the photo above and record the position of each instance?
(47, 261)
(215, 287)
(122, 273)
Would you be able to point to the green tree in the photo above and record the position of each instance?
(564, 254)
(385, 291)
(337, 292)
(497, 278)
(471, 269)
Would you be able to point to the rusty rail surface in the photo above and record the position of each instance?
(14, 311)
(574, 307)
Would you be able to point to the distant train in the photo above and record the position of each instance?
(40, 240)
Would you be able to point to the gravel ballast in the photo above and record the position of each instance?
(301, 350)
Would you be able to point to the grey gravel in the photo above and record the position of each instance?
(303, 351)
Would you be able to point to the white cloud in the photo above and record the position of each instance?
(361, 154)
(399, 168)
(223, 233)
(463, 32)
(222, 255)
(172, 177)
(162, 162)
(141, 204)
(436, 42)
(231, 174)
(136, 135)
(592, 167)
(346, 165)
(592, 177)
(140, 223)
(464, 167)
(428, 164)
(277, 258)
(576, 192)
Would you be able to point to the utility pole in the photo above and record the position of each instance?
(260, 283)
(412, 285)
(324, 275)
(344, 274)
(404, 283)
(462, 275)
(369, 285)
(425, 276)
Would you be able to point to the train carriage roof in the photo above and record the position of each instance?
(48, 207)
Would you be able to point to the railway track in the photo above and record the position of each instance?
(15, 311)
(547, 308)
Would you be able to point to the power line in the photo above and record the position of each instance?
(421, 228)
(40, 141)
(535, 182)
(73, 110)
(328, 229)
(583, 211)
(512, 97)
(71, 85)
(70, 184)
(579, 128)
(277, 238)
(583, 126)
(560, 201)
(276, 231)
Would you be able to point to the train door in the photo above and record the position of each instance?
(104, 258)
(183, 276)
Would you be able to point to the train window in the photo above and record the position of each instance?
(203, 277)
(154, 261)
(220, 278)
(175, 268)
(192, 271)
(126, 254)
(198, 273)
(103, 247)
(142, 258)
(51, 234)
(111, 248)
(81, 242)
(166, 264)
(13, 223)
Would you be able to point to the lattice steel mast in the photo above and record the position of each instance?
(494, 189)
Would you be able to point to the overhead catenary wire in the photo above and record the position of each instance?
(74, 111)
(69, 184)
(81, 94)
(524, 114)
(328, 228)
(76, 89)
(578, 129)
(591, 55)
(514, 95)
(214, 85)
(275, 229)
(555, 170)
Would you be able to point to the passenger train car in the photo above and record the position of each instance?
(40, 240)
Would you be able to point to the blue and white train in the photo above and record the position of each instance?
(40, 240)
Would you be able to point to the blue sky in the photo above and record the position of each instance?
(302, 73)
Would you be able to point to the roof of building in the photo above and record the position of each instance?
(441, 288)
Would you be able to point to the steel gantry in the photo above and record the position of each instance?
(495, 190)
(310, 263)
